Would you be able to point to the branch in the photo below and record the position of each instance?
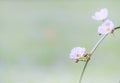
(117, 27)
(92, 51)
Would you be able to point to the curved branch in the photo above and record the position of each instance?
(92, 51)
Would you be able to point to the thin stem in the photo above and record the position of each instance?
(92, 51)
(83, 70)
(97, 44)
(117, 27)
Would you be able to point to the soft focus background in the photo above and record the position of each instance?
(36, 38)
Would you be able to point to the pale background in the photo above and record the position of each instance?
(36, 37)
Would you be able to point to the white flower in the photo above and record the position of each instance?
(101, 15)
(106, 27)
(77, 53)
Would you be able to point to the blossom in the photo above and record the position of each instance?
(77, 53)
(101, 15)
(106, 27)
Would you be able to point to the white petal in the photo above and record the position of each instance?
(109, 23)
(101, 30)
(101, 15)
(75, 51)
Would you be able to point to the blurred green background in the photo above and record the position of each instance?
(36, 37)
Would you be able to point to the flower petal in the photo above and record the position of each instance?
(101, 15)
(77, 52)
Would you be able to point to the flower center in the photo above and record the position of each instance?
(78, 55)
(108, 29)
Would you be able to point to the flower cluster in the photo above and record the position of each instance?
(106, 27)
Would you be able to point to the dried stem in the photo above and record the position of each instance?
(91, 53)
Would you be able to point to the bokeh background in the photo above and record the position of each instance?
(36, 37)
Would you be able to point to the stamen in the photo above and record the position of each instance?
(78, 55)
(107, 28)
